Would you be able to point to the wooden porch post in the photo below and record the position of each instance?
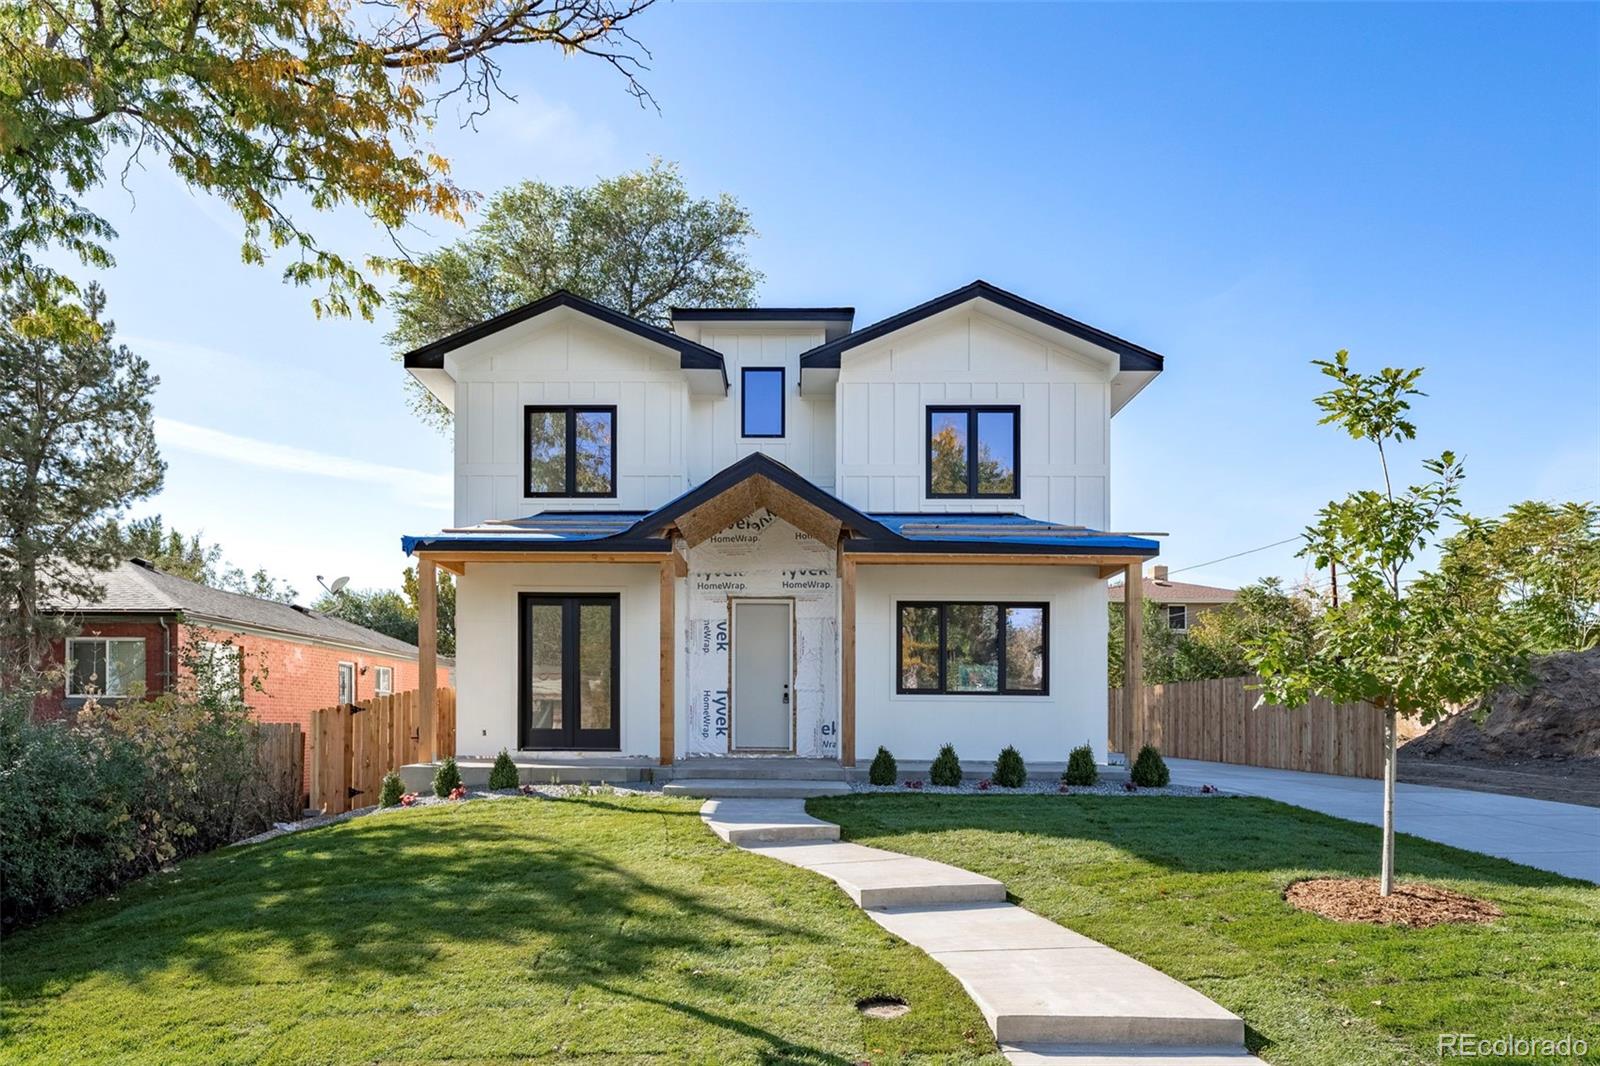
(669, 658)
(427, 658)
(847, 659)
(1133, 701)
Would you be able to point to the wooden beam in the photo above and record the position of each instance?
(1110, 571)
(669, 658)
(427, 658)
(1133, 695)
(976, 559)
(680, 559)
(847, 660)
(751, 495)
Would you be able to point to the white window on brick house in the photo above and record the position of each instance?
(104, 666)
(383, 680)
(347, 682)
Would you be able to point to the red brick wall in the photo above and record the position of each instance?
(55, 703)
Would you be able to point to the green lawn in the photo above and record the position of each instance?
(598, 928)
(1194, 888)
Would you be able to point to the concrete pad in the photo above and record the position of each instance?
(1132, 1055)
(1087, 995)
(976, 927)
(811, 854)
(750, 821)
(706, 787)
(904, 881)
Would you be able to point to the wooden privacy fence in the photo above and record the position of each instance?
(354, 744)
(1219, 721)
(280, 752)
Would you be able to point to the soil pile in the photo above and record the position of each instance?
(1557, 716)
(1348, 899)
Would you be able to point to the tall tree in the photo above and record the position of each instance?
(77, 446)
(1407, 641)
(638, 243)
(272, 108)
(445, 604)
(383, 610)
(191, 557)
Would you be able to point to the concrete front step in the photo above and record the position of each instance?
(1124, 1055)
(729, 788)
(755, 768)
(747, 822)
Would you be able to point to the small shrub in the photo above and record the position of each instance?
(1081, 769)
(1009, 771)
(446, 778)
(393, 788)
(1149, 769)
(946, 769)
(504, 774)
(883, 770)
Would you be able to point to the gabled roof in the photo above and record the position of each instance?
(137, 587)
(1176, 592)
(763, 314)
(692, 356)
(1133, 357)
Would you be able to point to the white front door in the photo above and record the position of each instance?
(763, 675)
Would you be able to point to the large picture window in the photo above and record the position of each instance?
(761, 401)
(995, 649)
(972, 451)
(105, 666)
(570, 451)
(570, 668)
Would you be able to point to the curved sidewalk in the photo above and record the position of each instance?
(1049, 994)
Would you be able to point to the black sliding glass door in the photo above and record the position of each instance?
(568, 672)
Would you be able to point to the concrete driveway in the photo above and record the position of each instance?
(1561, 837)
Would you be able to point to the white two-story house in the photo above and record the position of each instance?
(763, 531)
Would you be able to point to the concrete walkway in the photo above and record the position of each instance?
(1563, 838)
(1049, 994)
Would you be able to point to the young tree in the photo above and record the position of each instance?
(1408, 642)
(637, 243)
(77, 446)
(271, 108)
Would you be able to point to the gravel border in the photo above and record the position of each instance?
(1031, 788)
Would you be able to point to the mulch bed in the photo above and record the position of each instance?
(1349, 899)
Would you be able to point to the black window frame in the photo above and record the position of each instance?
(573, 738)
(943, 690)
(783, 401)
(972, 411)
(571, 410)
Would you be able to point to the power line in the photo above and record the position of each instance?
(1235, 555)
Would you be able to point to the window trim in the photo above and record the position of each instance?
(1000, 688)
(67, 682)
(354, 682)
(379, 687)
(783, 402)
(571, 410)
(972, 411)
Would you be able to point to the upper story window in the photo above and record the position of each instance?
(972, 451)
(570, 451)
(761, 397)
(104, 666)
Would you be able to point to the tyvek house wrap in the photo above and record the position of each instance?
(762, 556)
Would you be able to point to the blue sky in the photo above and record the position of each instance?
(1241, 188)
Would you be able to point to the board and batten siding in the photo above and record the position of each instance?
(885, 388)
(563, 360)
(807, 446)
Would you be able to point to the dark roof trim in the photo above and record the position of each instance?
(1133, 357)
(692, 356)
(759, 464)
(994, 546)
(511, 542)
(760, 314)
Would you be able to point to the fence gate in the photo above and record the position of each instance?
(354, 745)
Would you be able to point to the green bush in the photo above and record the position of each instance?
(1009, 771)
(1149, 769)
(884, 770)
(391, 791)
(946, 768)
(504, 774)
(446, 778)
(1081, 769)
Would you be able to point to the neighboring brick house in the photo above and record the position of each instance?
(1180, 601)
(147, 626)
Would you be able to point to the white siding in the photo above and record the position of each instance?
(486, 648)
(1043, 728)
(807, 443)
(886, 387)
(561, 359)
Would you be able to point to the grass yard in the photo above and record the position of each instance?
(600, 928)
(1194, 887)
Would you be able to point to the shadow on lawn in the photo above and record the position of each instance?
(1196, 835)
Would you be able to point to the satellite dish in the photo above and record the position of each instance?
(339, 583)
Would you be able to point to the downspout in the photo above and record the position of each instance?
(166, 654)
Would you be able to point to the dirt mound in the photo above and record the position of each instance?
(1557, 716)
(1348, 899)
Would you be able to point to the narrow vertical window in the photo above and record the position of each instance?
(570, 451)
(972, 451)
(761, 398)
(383, 681)
(347, 682)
